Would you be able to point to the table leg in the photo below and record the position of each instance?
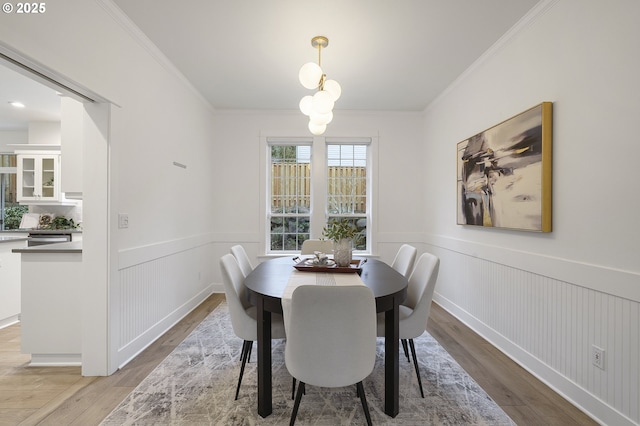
(391, 360)
(264, 359)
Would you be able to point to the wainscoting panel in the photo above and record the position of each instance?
(549, 326)
(157, 292)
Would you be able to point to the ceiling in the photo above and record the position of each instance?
(41, 102)
(387, 55)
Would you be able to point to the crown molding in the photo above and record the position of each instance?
(121, 18)
(536, 12)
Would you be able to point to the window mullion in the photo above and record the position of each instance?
(318, 187)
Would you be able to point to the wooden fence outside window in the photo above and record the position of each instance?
(291, 188)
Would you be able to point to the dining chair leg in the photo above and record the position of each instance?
(296, 404)
(293, 389)
(365, 406)
(415, 363)
(244, 356)
(405, 349)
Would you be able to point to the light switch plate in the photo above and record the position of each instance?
(123, 220)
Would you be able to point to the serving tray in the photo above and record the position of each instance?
(355, 266)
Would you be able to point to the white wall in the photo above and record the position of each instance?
(12, 137)
(237, 167)
(44, 132)
(156, 119)
(547, 298)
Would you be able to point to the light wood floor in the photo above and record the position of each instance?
(61, 396)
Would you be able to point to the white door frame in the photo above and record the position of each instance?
(97, 359)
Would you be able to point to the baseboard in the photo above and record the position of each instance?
(56, 360)
(6, 322)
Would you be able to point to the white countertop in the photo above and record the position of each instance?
(12, 239)
(43, 231)
(70, 247)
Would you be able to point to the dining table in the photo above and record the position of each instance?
(265, 286)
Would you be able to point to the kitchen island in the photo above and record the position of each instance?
(51, 318)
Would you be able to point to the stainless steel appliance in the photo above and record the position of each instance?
(39, 238)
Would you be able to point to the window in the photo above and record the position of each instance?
(290, 196)
(10, 211)
(347, 188)
(313, 182)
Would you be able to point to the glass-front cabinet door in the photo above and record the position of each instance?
(38, 177)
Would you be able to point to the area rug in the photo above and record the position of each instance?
(195, 385)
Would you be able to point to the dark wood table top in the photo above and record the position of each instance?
(270, 278)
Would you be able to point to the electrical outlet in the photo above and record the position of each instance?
(123, 220)
(597, 357)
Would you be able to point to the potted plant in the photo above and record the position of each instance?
(342, 232)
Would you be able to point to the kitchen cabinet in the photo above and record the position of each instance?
(38, 177)
(71, 125)
(10, 278)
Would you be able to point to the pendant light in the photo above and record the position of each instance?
(319, 106)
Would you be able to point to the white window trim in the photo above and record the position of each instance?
(319, 185)
(266, 204)
(368, 141)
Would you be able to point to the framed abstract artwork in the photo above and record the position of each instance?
(504, 173)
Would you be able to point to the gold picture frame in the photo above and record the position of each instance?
(504, 173)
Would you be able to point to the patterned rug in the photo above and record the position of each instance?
(195, 385)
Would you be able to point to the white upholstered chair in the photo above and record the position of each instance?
(405, 257)
(243, 259)
(403, 263)
(243, 315)
(311, 246)
(331, 338)
(414, 312)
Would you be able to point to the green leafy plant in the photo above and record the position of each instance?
(13, 216)
(61, 222)
(340, 229)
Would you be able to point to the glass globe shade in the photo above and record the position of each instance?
(333, 88)
(317, 129)
(306, 105)
(310, 75)
(321, 118)
(322, 102)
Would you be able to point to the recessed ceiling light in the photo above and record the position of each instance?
(17, 104)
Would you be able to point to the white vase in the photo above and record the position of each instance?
(342, 252)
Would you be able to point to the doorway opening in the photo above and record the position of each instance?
(95, 172)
